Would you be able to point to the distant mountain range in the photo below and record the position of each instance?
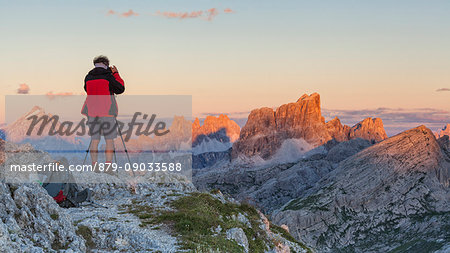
(16, 132)
(263, 134)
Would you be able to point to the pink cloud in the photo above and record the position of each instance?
(228, 10)
(443, 89)
(127, 14)
(23, 89)
(209, 14)
(212, 13)
(180, 15)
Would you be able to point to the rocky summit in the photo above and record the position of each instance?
(370, 129)
(219, 128)
(266, 129)
(24, 131)
(444, 131)
(393, 195)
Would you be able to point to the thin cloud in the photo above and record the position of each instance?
(209, 14)
(228, 10)
(52, 95)
(443, 89)
(129, 13)
(243, 114)
(212, 13)
(180, 15)
(23, 89)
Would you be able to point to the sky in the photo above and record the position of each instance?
(233, 56)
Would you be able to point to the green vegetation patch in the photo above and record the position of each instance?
(86, 233)
(196, 216)
(56, 244)
(54, 216)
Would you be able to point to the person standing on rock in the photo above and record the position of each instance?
(100, 107)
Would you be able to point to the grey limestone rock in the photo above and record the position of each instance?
(392, 195)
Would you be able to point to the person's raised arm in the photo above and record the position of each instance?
(117, 85)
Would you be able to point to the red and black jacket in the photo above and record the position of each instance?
(100, 85)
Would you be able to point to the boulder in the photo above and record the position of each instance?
(238, 235)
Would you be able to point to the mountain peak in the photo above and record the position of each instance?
(216, 128)
(370, 129)
(266, 130)
(196, 123)
(17, 131)
(444, 131)
(212, 120)
(313, 96)
(36, 110)
(223, 117)
(412, 150)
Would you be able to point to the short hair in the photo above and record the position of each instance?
(101, 59)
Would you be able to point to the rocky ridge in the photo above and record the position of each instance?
(393, 195)
(266, 129)
(270, 186)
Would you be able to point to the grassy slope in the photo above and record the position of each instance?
(196, 216)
